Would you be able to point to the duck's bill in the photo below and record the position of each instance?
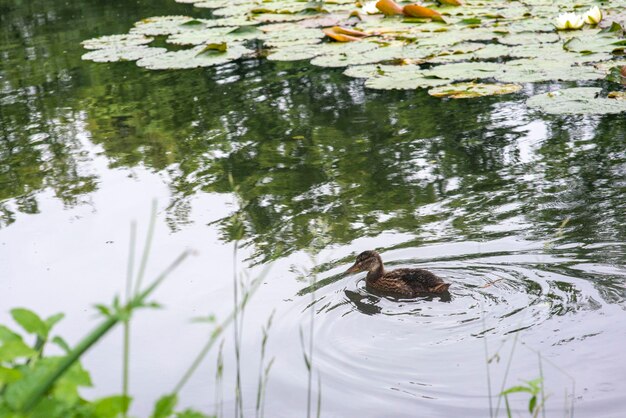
(354, 269)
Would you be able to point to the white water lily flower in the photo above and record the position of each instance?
(370, 8)
(593, 16)
(567, 21)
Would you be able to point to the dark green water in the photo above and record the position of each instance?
(477, 190)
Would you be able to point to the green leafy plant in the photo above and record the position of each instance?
(537, 399)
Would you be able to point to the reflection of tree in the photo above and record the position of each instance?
(312, 153)
(41, 83)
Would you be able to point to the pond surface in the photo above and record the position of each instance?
(524, 215)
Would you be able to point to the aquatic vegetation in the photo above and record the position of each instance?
(568, 21)
(593, 16)
(579, 100)
(416, 46)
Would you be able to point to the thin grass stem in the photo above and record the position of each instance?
(506, 373)
(238, 402)
(215, 334)
(129, 284)
(487, 365)
(147, 247)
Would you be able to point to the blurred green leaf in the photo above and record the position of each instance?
(516, 389)
(192, 414)
(16, 393)
(53, 320)
(30, 321)
(7, 335)
(532, 404)
(12, 350)
(111, 407)
(62, 343)
(9, 375)
(103, 309)
(165, 406)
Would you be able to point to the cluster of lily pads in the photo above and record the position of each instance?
(454, 49)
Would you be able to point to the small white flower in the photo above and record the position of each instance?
(567, 21)
(593, 16)
(370, 8)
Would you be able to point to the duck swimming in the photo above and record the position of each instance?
(404, 282)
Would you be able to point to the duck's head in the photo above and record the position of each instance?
(366, 261)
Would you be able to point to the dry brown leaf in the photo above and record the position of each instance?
(415, 10)
(389, 7)
(341, 34)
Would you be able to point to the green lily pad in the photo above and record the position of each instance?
(465, 70)
(166, 25)
(471, 90)
(403, 77)
(499, 40)
(528, 38)
(116, 41)
(124, 53)
(226, 34)
(595, 43)
(193, 58)
(580, 100)
(537, 70)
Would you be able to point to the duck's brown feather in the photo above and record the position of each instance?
(408, 282)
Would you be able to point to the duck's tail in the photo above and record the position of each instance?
(441, 288)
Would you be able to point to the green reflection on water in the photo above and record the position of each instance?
(317, 159)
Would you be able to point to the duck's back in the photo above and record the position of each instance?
(410, 282)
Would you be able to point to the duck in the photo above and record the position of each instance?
(400, 282)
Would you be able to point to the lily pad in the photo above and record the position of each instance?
(580, 100)
(537, 70)
(166, 25)
(124, 53)
(471, 90)
(116, 41)
(498, 40)
(597, 43)
(193, 58)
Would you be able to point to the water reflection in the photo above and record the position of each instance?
(307, 147)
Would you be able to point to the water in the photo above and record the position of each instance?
(522, 213)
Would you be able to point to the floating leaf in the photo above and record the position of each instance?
(202, 36)
(403, 77)
(619, 95)
(389, 7)
(465, 70)
(579, 100)
(538, 70)
(164, 25)
(214, 47)
(129, 53)
(596, 43)
(499, 40)
(116, 41)
(528, 38)
(471, 90)
(342, 34)
(415, 10)
(192, 58)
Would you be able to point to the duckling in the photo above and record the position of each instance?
(403, 282)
